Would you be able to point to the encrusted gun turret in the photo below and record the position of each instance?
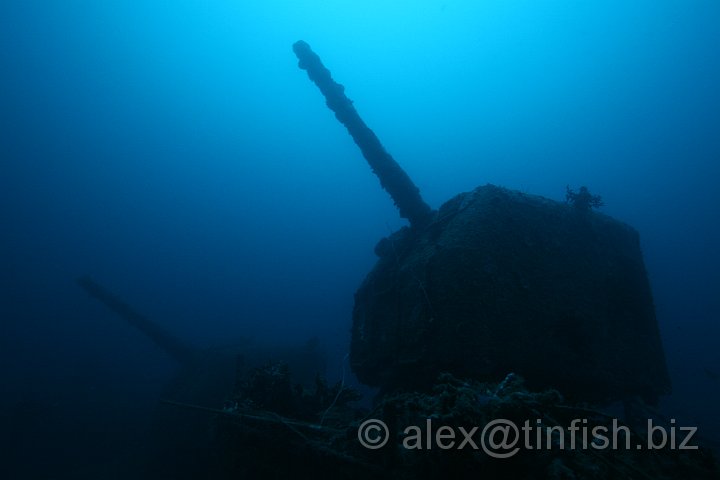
(496, 282)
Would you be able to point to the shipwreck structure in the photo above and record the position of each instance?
(498, 281)
(498, 305)
(207, 376)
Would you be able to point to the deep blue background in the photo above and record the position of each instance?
(174, 151)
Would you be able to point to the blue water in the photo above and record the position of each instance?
(175, 152)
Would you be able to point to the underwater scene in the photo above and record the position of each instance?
(382, 239)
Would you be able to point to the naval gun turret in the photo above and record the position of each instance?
(498, 281)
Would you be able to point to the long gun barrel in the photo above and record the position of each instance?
(392, 177)
(175, 348)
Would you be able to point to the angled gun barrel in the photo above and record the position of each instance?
(392, 177)
(179, 351)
